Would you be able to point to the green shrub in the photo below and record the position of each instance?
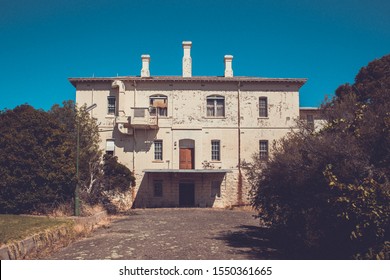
(35, 171)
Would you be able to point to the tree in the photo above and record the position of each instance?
(38, 160)
(90, 154)
(116, 175)
(100, 178)
(328, 192)
(35, 171)
(117, 180)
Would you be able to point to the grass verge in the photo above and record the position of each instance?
(17, 227)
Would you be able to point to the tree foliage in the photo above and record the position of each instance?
(78, 121)
(38, 154)
(328, 191)
(116, 175)
(35, 170)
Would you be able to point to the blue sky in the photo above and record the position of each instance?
(43, 42)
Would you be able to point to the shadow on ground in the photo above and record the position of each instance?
(254, 242)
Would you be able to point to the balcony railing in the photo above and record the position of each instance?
(142, 118)
(139, 118)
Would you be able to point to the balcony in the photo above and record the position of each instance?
(140, 118)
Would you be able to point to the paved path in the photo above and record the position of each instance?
(176, 234)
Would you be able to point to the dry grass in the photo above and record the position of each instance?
(66, 210)
(77, 232)
(88, 210)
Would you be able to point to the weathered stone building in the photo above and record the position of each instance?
(184, 137)
(312, 116)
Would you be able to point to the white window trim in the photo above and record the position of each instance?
(215, 106)
(110, 106)
(157, 109)
(158, 152)
(264, 151)
(219, 150)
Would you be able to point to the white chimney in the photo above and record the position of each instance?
(145, 65)
(187, 61)
(228, 66)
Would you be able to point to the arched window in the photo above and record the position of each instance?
(215, 106)
(158, 105)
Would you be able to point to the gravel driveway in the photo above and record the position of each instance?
(169, 234)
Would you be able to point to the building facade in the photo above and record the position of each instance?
(185, 137)
(312, 116)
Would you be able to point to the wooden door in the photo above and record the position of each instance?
(186, 158)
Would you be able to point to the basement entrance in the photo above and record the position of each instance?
(186, 194)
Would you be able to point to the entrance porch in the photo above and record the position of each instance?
(182, 188)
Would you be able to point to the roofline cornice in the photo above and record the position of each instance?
(299, 81)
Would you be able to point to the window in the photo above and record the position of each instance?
(263, 110)
(215, 106)
(158, 151)
(215, 150)
(111, 101)
(158, 188)
(110, 147)
(263, 149)
(310, 121)
(215, 189)
(158, 105)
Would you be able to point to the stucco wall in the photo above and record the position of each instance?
(187, 119)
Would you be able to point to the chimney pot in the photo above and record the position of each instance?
(187, 61)
(228, 66)
(145, 72)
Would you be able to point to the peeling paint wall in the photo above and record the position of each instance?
(187, 119)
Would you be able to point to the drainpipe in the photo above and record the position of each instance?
(239, 185)
(134, 136)
(121, 96)
(134, 143)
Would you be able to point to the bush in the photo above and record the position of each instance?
(116, 179)
(116, 175)
(328, 192)
(35, 173)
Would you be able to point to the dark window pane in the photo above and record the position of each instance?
(263, 110)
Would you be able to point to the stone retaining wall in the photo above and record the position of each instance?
(20, 249)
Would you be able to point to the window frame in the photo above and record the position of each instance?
(263, 153)
(158, 150)
(215, 153)
(263, 107)
(215, 107)
(158, 111)
(111, 107)
(310, 120)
